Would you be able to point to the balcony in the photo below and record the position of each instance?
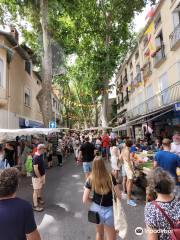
(125, 79)
(167, 97)
(175, 38)
(146, 69)
(159, 56)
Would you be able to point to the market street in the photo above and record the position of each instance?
(65, 217)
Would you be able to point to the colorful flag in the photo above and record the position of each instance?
(150, 14)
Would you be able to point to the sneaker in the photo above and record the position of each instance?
(131, 203)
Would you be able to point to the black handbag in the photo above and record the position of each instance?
(93, 217)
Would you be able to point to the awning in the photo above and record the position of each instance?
(142, 119)
(159, 115)
(97, 128)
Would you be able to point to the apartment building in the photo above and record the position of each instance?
(19, 85)
(148, 81)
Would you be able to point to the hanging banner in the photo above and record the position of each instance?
(149, 34)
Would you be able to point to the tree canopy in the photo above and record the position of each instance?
(98, 32)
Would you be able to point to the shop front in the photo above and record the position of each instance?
(161, 123)
(26, 123)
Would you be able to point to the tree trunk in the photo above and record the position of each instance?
(104, 110)
(96, 115)
(108, 20)
(44, 97)
(96, 111)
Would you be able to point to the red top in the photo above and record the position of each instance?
(105, 141)
(34, 151)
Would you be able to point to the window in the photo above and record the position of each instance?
(163, 85)
(131, 65)
(157, 21)
(28, 67)
(138, 69)
(176, 16)
(149, 94)
(159, 40)
(137, 55)
(1, 72)
(27, 97)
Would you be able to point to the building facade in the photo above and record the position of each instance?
(148, 81)
(19, 85)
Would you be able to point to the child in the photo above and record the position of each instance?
(28, 164)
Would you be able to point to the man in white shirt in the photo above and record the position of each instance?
(175, 145)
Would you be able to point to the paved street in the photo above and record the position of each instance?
(65, 218)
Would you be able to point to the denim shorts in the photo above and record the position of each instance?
(87, 167)
(105, 213)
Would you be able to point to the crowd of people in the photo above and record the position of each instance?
(162, 213)
(108, 165)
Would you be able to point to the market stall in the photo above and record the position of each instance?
(11, 134)
(143, 165)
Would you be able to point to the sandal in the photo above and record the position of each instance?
(40, 201)
(37, 209)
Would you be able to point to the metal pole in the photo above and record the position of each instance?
(8, 115)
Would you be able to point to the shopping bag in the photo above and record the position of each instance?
(120, 222)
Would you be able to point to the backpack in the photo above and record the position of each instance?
(175, 227)
(29, 164)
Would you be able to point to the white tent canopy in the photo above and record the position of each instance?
(97, 128)
(122, 127)
(11, 134)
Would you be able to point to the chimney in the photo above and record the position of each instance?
(14, 33)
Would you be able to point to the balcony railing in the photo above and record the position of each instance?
(159, 56)
(169, 96)
(146, 69)
(175, 38)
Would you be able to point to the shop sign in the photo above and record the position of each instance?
(26, 122)
(52, 124)
(177, 107)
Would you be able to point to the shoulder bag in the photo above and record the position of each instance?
(175, 227)
(120, 222)
(93, 216)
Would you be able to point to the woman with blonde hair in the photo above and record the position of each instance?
(102, 183)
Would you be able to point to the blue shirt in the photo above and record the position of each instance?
(16, 219)
(168, 161)
(133, 149)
